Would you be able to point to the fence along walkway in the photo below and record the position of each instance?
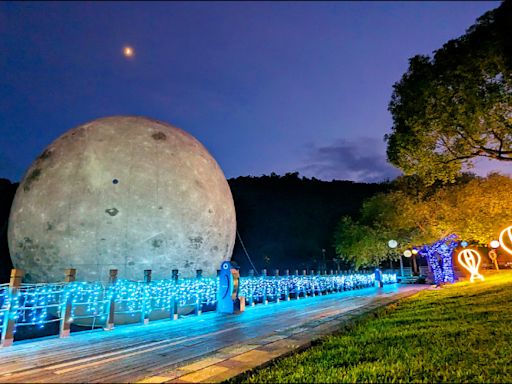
(168, 348)
(72, 301)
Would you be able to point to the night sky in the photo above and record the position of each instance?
(266, 87)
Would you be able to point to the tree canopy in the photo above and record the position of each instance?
(456, 106)
(360, 245)
(475, 209)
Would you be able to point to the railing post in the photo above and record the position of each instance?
(65, 322)
(174, 304)
(249, 299)
(287, 289)
(278, 293)
(312, 279)
(10, 314)
(304, 289)
(321, 273)
(263, 277)
(250, 294)
(145, 311)
(199, 302)
(332, 284)
(335, 280)
(112, 279)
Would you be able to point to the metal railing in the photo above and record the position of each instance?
(99, 304)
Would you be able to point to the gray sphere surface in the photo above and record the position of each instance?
(126, 193)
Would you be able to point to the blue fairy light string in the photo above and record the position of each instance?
(4, 301)
(40, 304)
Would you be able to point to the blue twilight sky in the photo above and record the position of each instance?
(266, 87)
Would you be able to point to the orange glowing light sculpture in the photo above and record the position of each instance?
(470, 259)
(506, 235)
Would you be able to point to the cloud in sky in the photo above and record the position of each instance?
(362, 159)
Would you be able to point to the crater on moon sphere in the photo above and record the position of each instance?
(173, 209)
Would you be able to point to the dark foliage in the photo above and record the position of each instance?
(286, 221)
(7, 191)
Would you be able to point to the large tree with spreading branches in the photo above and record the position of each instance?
(456, 106)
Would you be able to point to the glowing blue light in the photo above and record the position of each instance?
(439, 259)
(39, 304)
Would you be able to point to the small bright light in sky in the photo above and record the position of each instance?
(128, 52)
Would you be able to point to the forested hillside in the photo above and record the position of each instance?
(286, 221)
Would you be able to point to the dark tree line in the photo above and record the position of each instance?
(7, 191)
(284, 221)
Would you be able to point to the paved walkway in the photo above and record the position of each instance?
(210, 348)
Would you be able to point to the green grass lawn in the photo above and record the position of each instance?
(458, 333)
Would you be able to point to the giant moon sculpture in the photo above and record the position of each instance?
(125, 193)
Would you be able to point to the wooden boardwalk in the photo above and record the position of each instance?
(134, 352)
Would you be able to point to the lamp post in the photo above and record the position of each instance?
(393, 244)
(495, 244)
(407, 253)
(414, 265)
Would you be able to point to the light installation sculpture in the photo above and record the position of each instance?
(470, 259)
(40, 304)
(439, 258)
(493, 255)
(506, 239)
